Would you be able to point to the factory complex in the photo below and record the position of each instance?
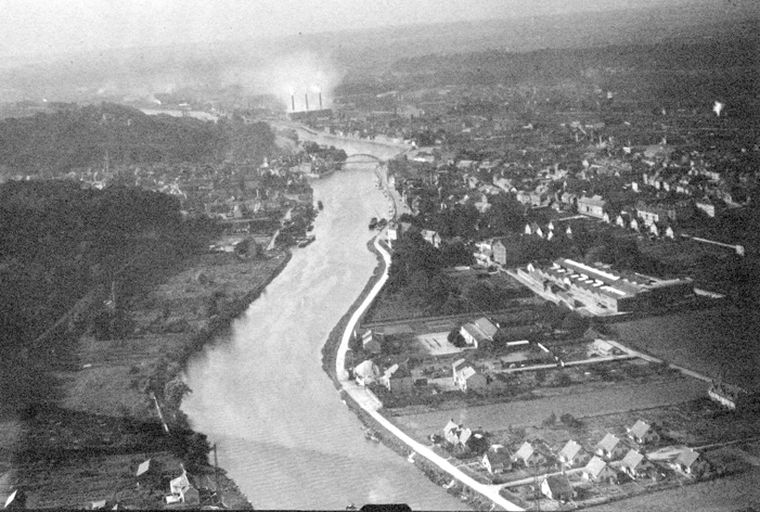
(601, 290)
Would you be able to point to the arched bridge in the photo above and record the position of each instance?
(361, 158)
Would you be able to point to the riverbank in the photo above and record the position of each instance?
(86, 444)
(329, 354)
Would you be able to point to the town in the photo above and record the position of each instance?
(568, 312)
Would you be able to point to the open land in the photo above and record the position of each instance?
(105, 424)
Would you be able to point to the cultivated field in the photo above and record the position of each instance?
(580, 401)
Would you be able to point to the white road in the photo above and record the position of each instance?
(369, 403)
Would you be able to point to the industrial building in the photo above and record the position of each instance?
(602, 290)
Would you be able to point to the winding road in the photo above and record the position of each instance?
(371, 405)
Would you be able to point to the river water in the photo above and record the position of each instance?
(283, 433)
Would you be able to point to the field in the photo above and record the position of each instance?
(104, 422)
(389, 307)
(601, 399)
(717, 342)
(436, 344)
(733, 492)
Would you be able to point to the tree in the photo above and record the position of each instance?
(550, 420)
(456, 338)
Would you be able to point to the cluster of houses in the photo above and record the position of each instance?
(609, 458)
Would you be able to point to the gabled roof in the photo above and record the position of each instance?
(559, 486)
(450, 426)
(366, 369)
(640, 429)
(687, 457)
(485, 325)
(609, 443)
(497, 454)
(632, 459)
(143, 468)
(595, 466)
(179, 484)
(467, 372)
(570, 450)
(525, 451)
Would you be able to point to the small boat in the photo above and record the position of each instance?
(306, 241)
(320, 205)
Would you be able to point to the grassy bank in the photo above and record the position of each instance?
(85, 444)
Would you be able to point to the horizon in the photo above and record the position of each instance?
(29, 32)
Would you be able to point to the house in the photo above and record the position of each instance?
(182, 491)
(478, 332)
(643, 433)
(598, 471)
(728, 395)
(532, 228)
(635, 465)
(572, 454)
(592, 206)
(528, 456)
(468, 378)
(687, 461)
(431, 237)
(366, 373)
(101, 505)
(398, 379)
(610, 448)
(496, 460)
(371, 342)
(558, 488)
(601, 348)
(456, 434)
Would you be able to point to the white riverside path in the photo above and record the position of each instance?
(368, 402)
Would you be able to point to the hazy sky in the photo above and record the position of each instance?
(58, 26)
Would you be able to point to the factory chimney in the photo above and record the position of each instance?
(292, 102)
(320, 100)
(306, 100)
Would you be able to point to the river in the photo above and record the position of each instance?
(283, 433)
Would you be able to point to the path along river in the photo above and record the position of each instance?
(283, 433)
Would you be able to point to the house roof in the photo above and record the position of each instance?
(143, 468)
(366, 369)
(450, 426)
(632, 459)
(485, 325)
(595, 200)
(640, 428)
(609, 443)
(179, 484)
(474, 332)
(559, 486)
(595, 466)
(497, 454)
(467, 372)
(525, 451)
(570, 450)
(687, 457)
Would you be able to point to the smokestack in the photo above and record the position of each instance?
(306, 100)
(320, 100)
(292, 102)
